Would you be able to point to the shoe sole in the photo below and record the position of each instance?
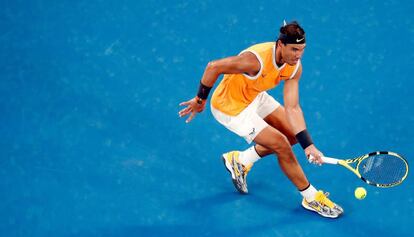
(324, 215)
(230, 170)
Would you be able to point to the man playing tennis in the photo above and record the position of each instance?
(241, 104)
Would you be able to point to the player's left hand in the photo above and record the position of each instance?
(193, 107)
(314, 155)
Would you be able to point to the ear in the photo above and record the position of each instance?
(279, 43)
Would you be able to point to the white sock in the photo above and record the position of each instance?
(309, 193)
(249, 156)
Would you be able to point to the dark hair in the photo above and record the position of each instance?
(291, 32)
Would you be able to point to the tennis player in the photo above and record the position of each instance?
(241, 104)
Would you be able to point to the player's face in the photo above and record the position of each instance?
(291, 53)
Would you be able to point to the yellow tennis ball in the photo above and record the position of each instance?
(360, 193)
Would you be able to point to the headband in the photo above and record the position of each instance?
(292, 39)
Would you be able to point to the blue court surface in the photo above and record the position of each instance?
(91, 143)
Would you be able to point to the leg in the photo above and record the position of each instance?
(274, 141)
(277, 119)
(283, 138)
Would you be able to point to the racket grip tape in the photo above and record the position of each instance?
(329, 160)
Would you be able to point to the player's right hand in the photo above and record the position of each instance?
(314, 155)
(193, 107)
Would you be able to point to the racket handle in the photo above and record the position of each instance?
(326, 160)
(329, 160)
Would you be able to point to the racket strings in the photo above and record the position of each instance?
(383, 169)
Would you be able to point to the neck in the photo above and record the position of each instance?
(278, 54)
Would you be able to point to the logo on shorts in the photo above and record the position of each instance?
(253, 131)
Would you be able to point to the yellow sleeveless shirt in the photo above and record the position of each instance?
(236, 91)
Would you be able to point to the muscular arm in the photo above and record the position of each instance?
(295, 116)
(244, 63)
(291, 99)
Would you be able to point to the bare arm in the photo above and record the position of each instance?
(294, 113)
(291, 99)
(243, 63)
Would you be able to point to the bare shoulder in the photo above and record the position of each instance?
(248, 55)
(243, 63)
(250, 62)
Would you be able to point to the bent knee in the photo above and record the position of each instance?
(281, 144)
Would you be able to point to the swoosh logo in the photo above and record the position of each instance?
(298, 40)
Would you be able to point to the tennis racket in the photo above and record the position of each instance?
(383, 169)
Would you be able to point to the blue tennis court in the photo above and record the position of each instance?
(92, 145)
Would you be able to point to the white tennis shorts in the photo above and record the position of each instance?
(250, 121)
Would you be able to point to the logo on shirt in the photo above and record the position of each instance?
(253, 131)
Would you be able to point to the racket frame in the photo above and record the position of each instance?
(346, 163)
